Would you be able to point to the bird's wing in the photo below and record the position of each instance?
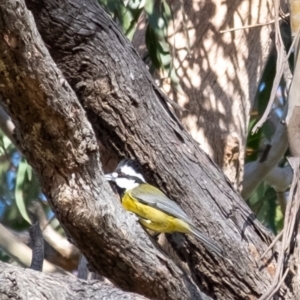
(152, 196)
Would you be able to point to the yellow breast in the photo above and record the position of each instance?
(153, 218)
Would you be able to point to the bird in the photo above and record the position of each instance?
(153, 208)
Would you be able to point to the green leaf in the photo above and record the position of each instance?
(257, 196)
(152, 46)
(149, 7)
(19, 191)
(175, 79)
(167, 9)
(6, 142)
(270, 213)
(279, 218)
(29, 171)
(165, 60)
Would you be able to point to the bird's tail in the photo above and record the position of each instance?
(208, 243)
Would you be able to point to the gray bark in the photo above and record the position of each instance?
(130, 117)
(26, 284)
(57, 139)
(37, 243)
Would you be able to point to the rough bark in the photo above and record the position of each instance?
(37, 242)
(218, 72)
(107, 75)
(58, 141)
(25, 284)
(83, 271)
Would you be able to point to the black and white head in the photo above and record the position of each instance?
(127, 175)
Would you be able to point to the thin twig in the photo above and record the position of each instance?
(279, 235)
(279, 284)
(279, 69)
(252, 25)
(247, 27)
(289, 226)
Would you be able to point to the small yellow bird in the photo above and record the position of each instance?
(154, 209)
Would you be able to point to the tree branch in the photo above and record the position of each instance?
(84, 273)
(54, 239)
(58, 141)
(256, 172)
(107, 75)
(21, 253)
(17, 283)
(135, 121)
(67, 263)
(280, 178)
(37, 242)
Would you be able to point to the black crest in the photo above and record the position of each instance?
(135, 165)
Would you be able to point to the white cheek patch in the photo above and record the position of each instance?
(114, 174)
(130, 171)
(126, 184)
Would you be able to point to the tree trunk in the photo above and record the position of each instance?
(107, 75)
(218, 72)
(57, 139)
(25, 284)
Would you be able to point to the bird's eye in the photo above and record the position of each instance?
(121, 174)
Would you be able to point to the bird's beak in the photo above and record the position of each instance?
(111, 176)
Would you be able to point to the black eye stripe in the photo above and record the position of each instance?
(135, 178)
